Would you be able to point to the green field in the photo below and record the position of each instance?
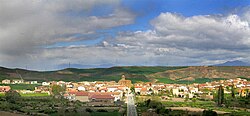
(105, 114)
(21, 86)
(35, 95)
(2, 94)
(198, 80)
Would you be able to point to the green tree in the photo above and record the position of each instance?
(233, 91)
(57, 89)
(187, 97)
(147, 102)
(220, 95)
(132, 89)
(12, 96)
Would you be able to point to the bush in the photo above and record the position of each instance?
(209, 113)
(12, 96)
(88, 110)
(102, 110)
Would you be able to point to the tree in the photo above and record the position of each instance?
(220, 95)
(148, 102)
(57, 89)
(132, 89)
(12, 96)
(187, 97)
(233, 91)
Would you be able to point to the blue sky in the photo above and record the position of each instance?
(123, 32)
(146, 10)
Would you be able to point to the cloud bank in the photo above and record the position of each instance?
(26, 28)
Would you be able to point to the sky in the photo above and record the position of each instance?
(51, 34)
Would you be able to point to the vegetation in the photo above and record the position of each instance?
(12, 96)
(21, 86)
(220, 96)
(134, 73)
(35, 95)
(57, 89)
(179, 81)
(105, 114)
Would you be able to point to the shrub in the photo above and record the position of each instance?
(209, 113)
(102, 110)
(12, 96)
(88, 110)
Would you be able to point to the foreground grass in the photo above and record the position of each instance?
(206, 105)
(198, 104)
(105, 114)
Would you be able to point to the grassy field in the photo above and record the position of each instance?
(1, 94)
(105, 114)
(35, 95)
(198, 80)
(199, 104)
(21, 86)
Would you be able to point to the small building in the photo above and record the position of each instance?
(4, 88)
(6, 81)
(45, 84)
(102, 98)
(17, 81)
(78, 95)
(33, 82)
(81, 88)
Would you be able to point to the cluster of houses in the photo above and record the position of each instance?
(204, 91)
(108, 92)
(18, 81)
(111, 91)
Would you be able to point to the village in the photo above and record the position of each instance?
(110, 92)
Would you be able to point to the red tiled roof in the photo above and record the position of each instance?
(80, 93)
(102, 97)
(144, 89)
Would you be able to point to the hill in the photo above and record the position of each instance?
(201, 74)
(234, 63)
(198, 74)
(133, 73)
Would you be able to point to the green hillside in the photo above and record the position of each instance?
(193, 74)
(134, 73)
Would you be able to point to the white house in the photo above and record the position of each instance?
(81, 88)
(33, 82)
(111, 88)
(17, 81)
(45, 84)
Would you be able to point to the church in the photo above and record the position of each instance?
(125, 82)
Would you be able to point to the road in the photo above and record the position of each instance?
(131, 110)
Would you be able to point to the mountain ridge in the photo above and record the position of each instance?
(233, 63)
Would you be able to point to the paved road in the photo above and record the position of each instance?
(131, 110)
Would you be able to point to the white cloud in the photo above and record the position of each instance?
(25, 27)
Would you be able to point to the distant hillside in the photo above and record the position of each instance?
(234, 63)
(133, 73)
(201, 73)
